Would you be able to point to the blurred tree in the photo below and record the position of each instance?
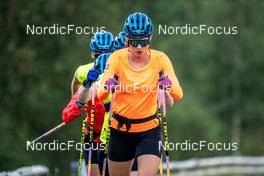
(221, 75)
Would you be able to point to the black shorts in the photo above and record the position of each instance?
(135, 165)
(94, 157)
(101, 157)
(127, 146)
(95, 148)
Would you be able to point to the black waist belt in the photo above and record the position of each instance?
(125, 121)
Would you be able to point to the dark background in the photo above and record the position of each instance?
(221, 75)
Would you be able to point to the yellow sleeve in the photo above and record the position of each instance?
(105, 129)
(81, 72)
(111, 68)
(167, 68)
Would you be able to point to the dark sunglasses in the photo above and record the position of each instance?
(135, 43)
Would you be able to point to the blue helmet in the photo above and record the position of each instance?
(102, 42)
(138, 25)
(120, 40)
(100, 62)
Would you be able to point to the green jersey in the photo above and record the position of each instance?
(105, 129)
(82, 71)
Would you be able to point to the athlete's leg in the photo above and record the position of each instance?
(148, 153)
(120, 168)
(94, 162)
(133, 173)
(121, 154)
(148, 165)
(94, 170)
(101, 157)
(134, 168)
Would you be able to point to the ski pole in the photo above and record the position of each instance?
(48, 132)
(160, 166)
(82, 143)
(91, 133)
(108, 131)
(108, 136)
(160, 119)
(165, 130)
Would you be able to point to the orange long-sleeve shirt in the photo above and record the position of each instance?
(136, 95)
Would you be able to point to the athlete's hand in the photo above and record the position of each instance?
(111, 83)
(67, 119)
(72, 111)
(164, 82)
(92, 76)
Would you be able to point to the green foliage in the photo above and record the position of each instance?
(221, 75)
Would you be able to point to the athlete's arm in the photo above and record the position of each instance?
(75, 85)
(80, 76)
(72, 110)
(84, 94)
(167, 68)
(88, 88)
(111, 69)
